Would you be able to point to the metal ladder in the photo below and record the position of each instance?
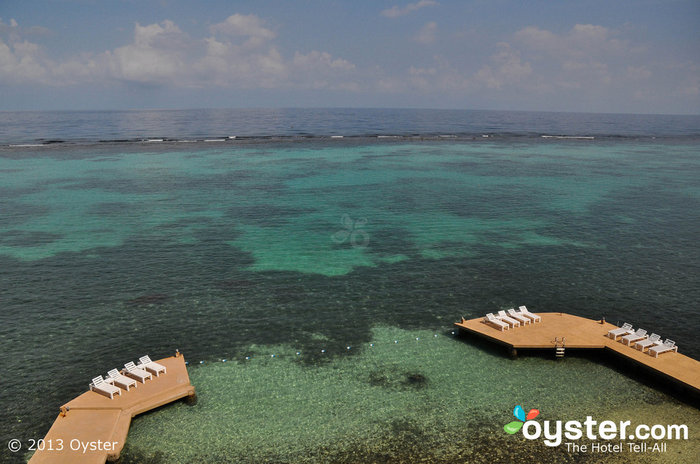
(559, 347)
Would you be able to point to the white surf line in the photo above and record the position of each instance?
(584, 137)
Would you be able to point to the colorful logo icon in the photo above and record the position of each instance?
(519, 413)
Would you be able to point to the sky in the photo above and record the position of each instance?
(621, 56)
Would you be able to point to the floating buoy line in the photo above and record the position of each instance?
(299, 353)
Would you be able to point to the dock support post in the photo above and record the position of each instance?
(513, 353)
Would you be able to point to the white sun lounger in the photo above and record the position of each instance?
(653, 340)
(525, 312)
(668, 345)
(640, 334)
(504, 317)
(119, 380)
(99, 385)
(524, 320)
(152, 367)
(626, 329)
(499, 324)
(136, 373)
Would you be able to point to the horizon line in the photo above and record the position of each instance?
(270, 108)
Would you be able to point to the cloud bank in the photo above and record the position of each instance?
(587, 66)
(240, 52)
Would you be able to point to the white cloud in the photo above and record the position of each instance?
(396, 11)
(319, 70)
(21, 61)
(254, 63)
(441, 77)
(227, 64)
(506, 68)
(249, 26)
(157, 55)
(427, 33)
(583, 40)
(588, 57)
(315, 59)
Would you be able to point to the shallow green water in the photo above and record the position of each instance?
(407, 394)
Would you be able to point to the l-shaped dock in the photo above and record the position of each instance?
(557, 330)
(92, 428)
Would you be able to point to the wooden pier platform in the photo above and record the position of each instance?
(582, 333)
(92, 428)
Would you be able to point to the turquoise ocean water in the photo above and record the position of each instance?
(327, 272)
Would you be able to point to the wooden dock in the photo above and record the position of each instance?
(582, 333)
(92, 428)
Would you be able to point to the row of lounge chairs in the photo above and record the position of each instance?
(511, 319)
(117, 381)
(641, 341)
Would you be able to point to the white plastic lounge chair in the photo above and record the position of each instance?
(626, 329)
(136, 373)
(120, 380)
(152, 367)
(99, 385)
(525, 312)
(504, 317)
(640, 334)
(499, 324)
(668, 345)
(524, 320)
(653, 340)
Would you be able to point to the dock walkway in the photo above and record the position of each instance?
(92, 428)
(582, 333)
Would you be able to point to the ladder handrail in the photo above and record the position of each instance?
(559, 350)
